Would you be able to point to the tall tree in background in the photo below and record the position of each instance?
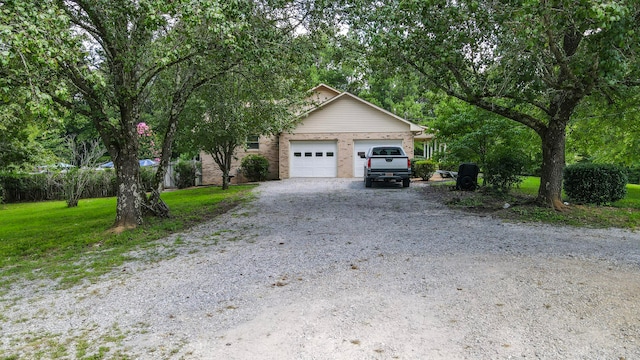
(618, 142)
(474, 135)
(224, 114)
(533, 62)
(28, 32)
(101, 59)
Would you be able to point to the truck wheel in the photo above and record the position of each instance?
(368, 182)
(405, 182)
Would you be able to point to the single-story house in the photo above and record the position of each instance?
(327, 140)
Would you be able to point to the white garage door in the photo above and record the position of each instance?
(314, 159)
(361, 146)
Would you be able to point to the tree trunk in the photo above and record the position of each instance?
(155, 205)
(225, 179)
(553, 163)
(130, 194)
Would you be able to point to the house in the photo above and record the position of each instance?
(327, 140)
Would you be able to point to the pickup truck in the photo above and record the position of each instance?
(386, 163)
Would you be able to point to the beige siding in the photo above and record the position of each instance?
(322, 94)
(342, 118)
(350, 115)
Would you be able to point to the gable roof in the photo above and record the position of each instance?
(327, 88)
(346, 95)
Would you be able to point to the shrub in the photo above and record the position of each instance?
(633, 174)
(503, 169)
(20, 187)
(446, 161)
(413, 162)
(147, 177)
(595, 183)
(185, 171)
(423, 169)
(255, 167)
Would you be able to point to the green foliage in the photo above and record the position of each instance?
(255, 167)
(617, 142)
(147, 177)
(489, 54)
(504, 168)
(633, 175)
(473, 134)
(185, 173)
(424, 169)
(21, 187)
(255, 101)
(595, 183)
(446, 161)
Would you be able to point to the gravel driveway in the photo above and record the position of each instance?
(327, 269)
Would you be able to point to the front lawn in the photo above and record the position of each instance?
(49, 240)
(519, 206)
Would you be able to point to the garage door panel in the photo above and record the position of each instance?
(314, 159)
(361, 146)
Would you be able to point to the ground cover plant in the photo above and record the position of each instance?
(50, 240)
(519, 205)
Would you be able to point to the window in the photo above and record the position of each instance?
(308, 154)
(253, 142)
(297, 154)
(329, 154)
(319, 154)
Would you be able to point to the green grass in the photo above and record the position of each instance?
(49, 240)
(621, 214)
(530, 184)
(632, 200)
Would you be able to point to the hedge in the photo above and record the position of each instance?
(595, 183)
(21, 187)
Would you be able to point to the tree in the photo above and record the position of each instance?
(473, 134)
(239, 105)
(102, 59)
(264, 34)
(532, 62)
(24, 47)
(76, 178)
(616, 143)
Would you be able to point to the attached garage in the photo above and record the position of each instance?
(361, 146)
(314, 158)
(326, 140)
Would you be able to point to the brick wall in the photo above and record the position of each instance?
(345, 147)
(268, 147)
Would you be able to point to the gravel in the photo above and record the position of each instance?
(327, 269)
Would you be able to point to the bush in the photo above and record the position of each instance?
(503, 169)
(446, 161)
(633, 174)
(31, 187)
(185, 171)
(20, 187)
(423, 169)
(255, 167)
(413, 161)
(595, 183)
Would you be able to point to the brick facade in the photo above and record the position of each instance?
(268, 147)
(340, 117)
